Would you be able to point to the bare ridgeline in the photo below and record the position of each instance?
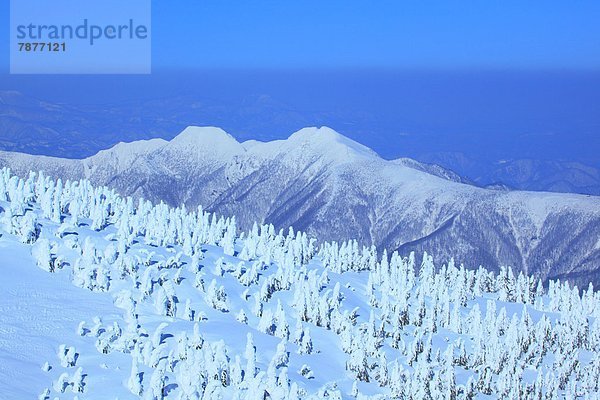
(202, 311)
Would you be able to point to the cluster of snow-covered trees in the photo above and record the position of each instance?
(404, 328)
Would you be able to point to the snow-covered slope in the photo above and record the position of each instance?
(333, 188)
(103, 299)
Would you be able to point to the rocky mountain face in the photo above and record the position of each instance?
(325, 184)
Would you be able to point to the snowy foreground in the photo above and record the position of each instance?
(104, 298)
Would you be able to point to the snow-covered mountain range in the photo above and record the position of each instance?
(333, 188)
(102, 297)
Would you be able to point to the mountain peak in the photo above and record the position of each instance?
(206, 138)
(203, 134)
(321, 134)
(328, 140)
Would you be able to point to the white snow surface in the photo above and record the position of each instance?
(72, 254)
(211, 141)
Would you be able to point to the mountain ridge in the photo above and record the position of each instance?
(337, 189)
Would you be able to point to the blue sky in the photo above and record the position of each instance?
(513, 78)
(200, 34)
(389, 34)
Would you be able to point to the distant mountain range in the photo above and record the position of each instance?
(325, 184)
(523, 174)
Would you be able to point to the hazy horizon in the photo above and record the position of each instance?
(501, 115)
